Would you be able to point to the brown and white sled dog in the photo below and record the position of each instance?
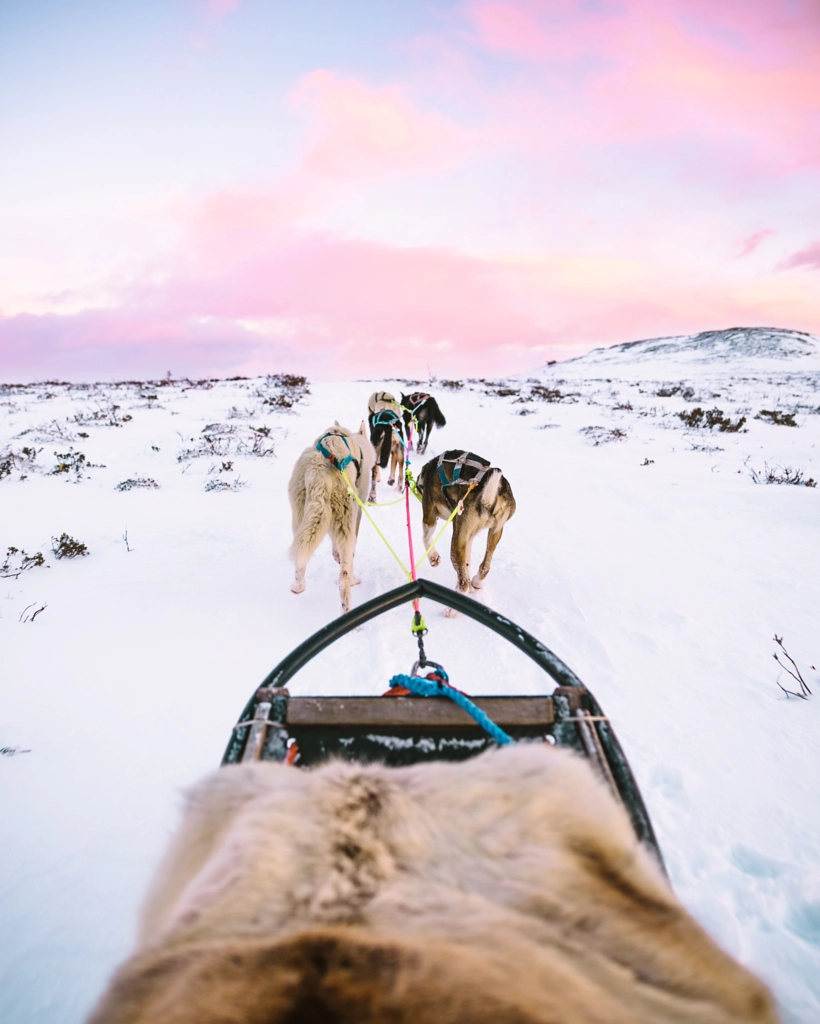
(320, 503)
(488, 504)
(386, 426)
(507, 889)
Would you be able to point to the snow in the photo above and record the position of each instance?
(651, 563)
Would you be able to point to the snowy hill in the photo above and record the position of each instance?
(666, 530)
(747, 348)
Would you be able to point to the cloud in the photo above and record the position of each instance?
(360, 131)
(733, 83)
(748, 245)
(332, 307)
(215, 10)
(808, 257)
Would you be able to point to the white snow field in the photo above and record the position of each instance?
(642, 552)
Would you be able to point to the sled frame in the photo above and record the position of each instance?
(406, 730)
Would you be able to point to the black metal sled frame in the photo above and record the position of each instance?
(405, 730)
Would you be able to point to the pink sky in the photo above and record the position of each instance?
(460, 189)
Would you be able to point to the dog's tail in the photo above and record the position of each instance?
(489, 491)
(437, 414)
(317, 515)
(382, 442)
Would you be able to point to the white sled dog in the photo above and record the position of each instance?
(320, 503)
(507, 889)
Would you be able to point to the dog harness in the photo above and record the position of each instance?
(459, 463)
(387, 418)
(416, 401)
(340, 464)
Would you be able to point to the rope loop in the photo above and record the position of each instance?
(436, 684)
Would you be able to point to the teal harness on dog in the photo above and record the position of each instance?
(459, 463)
(340, 464)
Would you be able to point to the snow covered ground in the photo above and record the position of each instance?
(643, 553)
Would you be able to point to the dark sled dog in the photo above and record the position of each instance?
(386, 425)
(424, 410)
(488, 503)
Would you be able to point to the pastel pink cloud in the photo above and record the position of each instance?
(361, 131)
(215, 10)
(748, 245)
(744, 77)
(333, 307)
(808, 257)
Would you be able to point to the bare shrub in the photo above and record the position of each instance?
(780, 419)
(698, 418)
(106, 414)
(17, 562)
(134, 483)
(67, 547)
(451, 385)
(781, 475)
(283, 390)
(73, 465)
(804, 693)
(223, 440)
(603, 435)
(21, 461)
(225, 485)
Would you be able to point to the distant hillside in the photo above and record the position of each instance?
(755, 347)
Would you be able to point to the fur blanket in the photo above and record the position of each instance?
(509, 889)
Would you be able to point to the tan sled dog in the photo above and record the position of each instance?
(386, 427)
(488, 503)
(320, 502)
(507, 889)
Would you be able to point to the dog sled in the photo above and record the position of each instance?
(409, 729)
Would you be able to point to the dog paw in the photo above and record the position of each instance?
(477, 582)
(451, 613)
(354, 581)
(434, 558)
(391, 481)
(297, 586)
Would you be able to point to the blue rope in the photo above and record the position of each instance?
(432, 686)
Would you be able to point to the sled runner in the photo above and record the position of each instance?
(402, 730)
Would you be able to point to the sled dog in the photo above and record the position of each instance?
(386, 426)
(488, 504)
(396, 465)
(423, 409)
(320, 502)
(506, 889)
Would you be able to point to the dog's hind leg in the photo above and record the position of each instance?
(460, 548)
(428, 533)
(346, 577)
(493, 537)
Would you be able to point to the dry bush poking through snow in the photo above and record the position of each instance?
(21, 461)
(133, 483)
(781, 475)
(17, 562)
(602, 435)
(698, 418)
(780, 419)
(67, 547)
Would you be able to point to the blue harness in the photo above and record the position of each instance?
(387, 418)
(340, 464)
(459, 463)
